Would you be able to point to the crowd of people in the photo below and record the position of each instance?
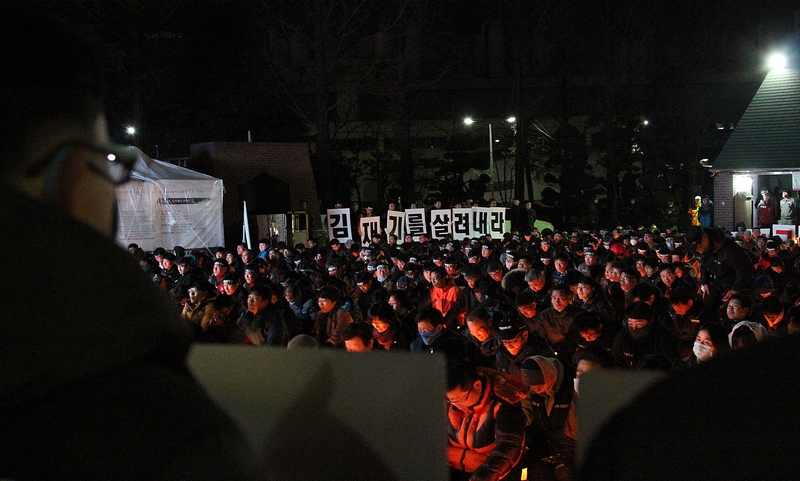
(519, 319)
(96, 384)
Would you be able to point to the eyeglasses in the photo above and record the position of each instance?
(462, 401)
(117, 168)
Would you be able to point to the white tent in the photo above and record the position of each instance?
(165, 205)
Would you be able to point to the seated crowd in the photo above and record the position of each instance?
(518, 319)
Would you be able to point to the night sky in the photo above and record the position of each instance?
(186, 72)
(190, 71)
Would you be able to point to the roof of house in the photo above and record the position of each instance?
(767, 138)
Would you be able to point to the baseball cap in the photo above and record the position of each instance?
(510, 327)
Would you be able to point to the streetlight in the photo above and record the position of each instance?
(130, 130)
(777, 62)
(470, 121)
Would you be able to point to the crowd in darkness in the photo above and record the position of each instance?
(519, 319)
(102, 389)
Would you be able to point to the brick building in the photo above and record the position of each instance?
(763, 152)
(276, 177)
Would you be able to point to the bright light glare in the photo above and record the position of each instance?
(777, 62)
(645, 122)
(130, 130)
(469, 121)
(511, 120)
(111, 157)
(742, 183)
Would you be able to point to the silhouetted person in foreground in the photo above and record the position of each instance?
(100, 389)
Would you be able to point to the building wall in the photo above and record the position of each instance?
(723, 200)
(238, 162)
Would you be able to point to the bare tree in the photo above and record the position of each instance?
(319, 52)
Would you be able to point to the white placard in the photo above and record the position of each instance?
(462, 223)
(394, 224)
(480, 221)
(785, 232)
(367, 227)
(441, 223)
(497, 222)
(415, 223)
(339, 224)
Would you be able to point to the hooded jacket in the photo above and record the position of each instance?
(552, 406)
(759, 330)
(554, 430)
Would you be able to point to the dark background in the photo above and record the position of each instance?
(186, 72)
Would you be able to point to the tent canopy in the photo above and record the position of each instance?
(158, 170)
(165, 205)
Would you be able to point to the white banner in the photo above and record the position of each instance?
(339, 224)
(168, 213)
(415, 223)
(785, 232)
(462, 223)
(367, 227)
(394, 224)
(441, 223)
(497, 222)
(480, 221)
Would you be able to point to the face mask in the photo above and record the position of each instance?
(702, 351)
(430, 337)
(637, 334)
(381, 279)
(634, 241)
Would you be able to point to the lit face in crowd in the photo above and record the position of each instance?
(560, 300)
(326, 305)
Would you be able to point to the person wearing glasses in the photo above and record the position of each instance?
(485, 423)
(100, 389)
